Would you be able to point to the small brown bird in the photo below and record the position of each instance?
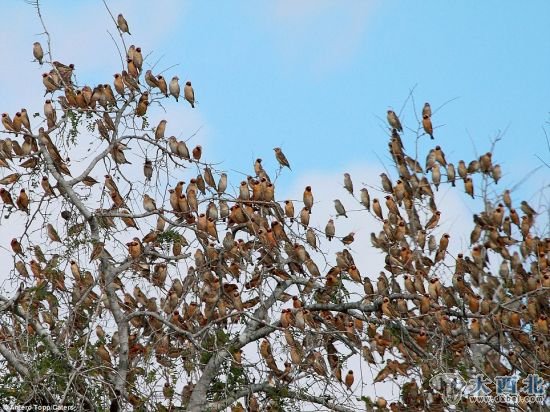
(159, 131)
(528, 210)
(281, 158)
(118, 84)
(149, 203)
(161, 84)
(6, 197)
(348, 184)
(289, 209)
(16, 247)
(365, 198)
(37, 52)
(340, 209)
(393, 121)
(97, 251)
(7, 122)
(23, 201)
(52, 233)
(330, 230)
(469, 186)
(150, 79)
(427, 125)
(148, 169)
(434, 220)
(197, 152)
(174, 88)
(349, 379)
(308, 197)
(348, 239)
(122, 24)
(427, 110)
(25, 119)
(189, 93)
(137, 58)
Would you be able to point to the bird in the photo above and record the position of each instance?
(122, 24)
(148, 169)
(52, 233)
(308, 197)
(16, 247)
(150, 79)
(528, 210)
(22, 201)
(427, 125)
(340, 210)
(469, 186)
(427, 110)
(393, 120)
(189, 93)
(348, 184)
(349, 379)
(197, 152)
(281, 158)
(6, 197)
(159, 131)
(161, 84)
(349, 238)
(149, 203)
(37, 52)
(174, 88)
(365, 198)
(330, 230)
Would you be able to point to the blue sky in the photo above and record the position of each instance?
(316, 78)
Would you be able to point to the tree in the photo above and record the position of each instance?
(167, 295)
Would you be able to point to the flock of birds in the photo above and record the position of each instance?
(407, 314)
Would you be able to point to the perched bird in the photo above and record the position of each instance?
(189, 93)
(330, 230)
(349, 379)
(159, 131)
(149, 203)
(150, 79)
(161, 84)
(365, 198)
(348, 184)
(340, 210)
(37, 52)
(122, 24)
(393, 121)
(174, 88)
(22, 201)
(427, 110)
(289, 209)
(52, 233)
(197, 152)
(528, 210)
(469, 186)
(349, 238)
(16, 247)
(427, 125)
(148, 169)
(281, 158)
(6, 197)
(308, 197)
